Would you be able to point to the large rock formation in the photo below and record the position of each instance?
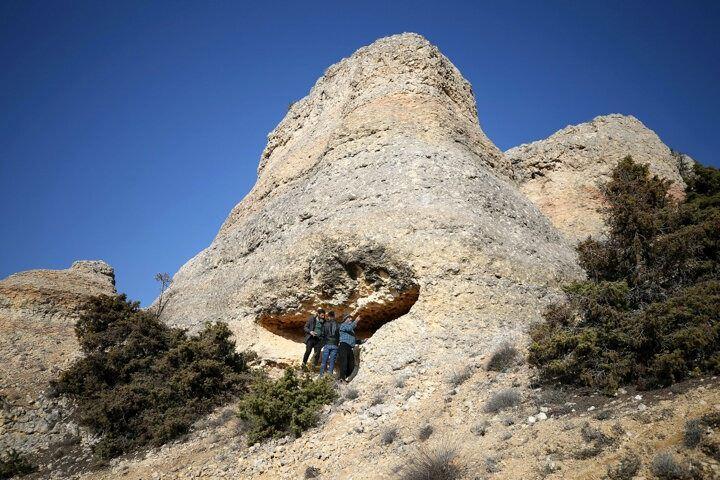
(379, 194)
(561, 174)
(38, 310)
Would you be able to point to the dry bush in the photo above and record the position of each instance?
(665, 467)
(627, 468)
(312, 472)
(351, 393)
(14, 464)
(693, 433)
(389, 436)
(458, 377)
(439, 463)
(425, 432)
(504, 356)
(502, 400)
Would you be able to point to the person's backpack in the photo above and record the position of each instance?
(332, 333)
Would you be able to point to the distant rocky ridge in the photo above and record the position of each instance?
(38, 310)
(562, 173)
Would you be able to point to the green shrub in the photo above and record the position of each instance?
(14, 464)
(649, 312)
(144, 383)
(290, 404)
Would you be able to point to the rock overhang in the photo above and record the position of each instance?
(359, 277)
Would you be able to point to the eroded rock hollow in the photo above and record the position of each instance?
(359, 278)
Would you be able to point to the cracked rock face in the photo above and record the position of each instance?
(38, 310)
(561, 174)
(379, 194)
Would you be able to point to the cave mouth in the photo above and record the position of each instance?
(374, 313)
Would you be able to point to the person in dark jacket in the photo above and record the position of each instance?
(331, 338)
(346, 355)
(313, 336)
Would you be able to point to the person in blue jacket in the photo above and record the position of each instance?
(346, 356)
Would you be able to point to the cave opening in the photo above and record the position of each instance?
(374, 313)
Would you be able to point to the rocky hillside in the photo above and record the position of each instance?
(38, 310)
(379, 194)
(561, 174)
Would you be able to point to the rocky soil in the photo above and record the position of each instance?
(550, 434)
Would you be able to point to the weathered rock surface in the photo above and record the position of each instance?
(38, 310)
(561, 174)
(380, 194)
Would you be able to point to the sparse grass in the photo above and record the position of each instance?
(439, 463)
(377, 399)
(603, 415)
(64, 446)
(504, 356)
(711, 449)
(312, 472)
(665, 467)
(389, 436)
(502, 400)
(492, 465)
(480, 428)
(593, 435)
(458, 377)
(693, 433)
(627, 468)
(598, 442)
(351, 393)
(425, 432)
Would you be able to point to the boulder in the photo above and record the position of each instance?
(38, 310)
(562, 173)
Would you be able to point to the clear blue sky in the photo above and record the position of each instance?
(128, 130)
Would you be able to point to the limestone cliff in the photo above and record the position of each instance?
(561, 174)
(38, 310)
(379, 193)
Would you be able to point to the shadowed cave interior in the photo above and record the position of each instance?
(374, 314)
